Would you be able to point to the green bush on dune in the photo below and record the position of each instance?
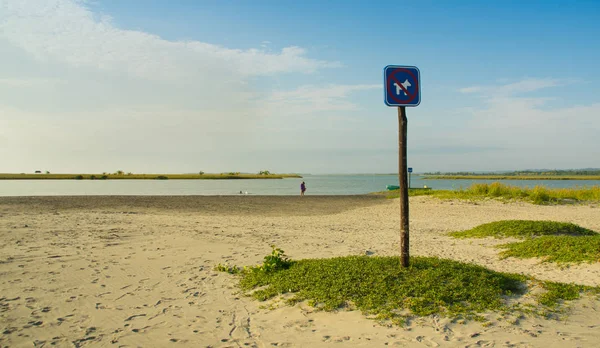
(550, 240)
(523, 229)
(536, 195)
(560, 249)
(380, 287)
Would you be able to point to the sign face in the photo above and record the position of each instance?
(410, 170)
(402, 85)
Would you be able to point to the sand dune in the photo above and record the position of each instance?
(138, 271)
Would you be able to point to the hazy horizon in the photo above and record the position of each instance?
(324, 173)
(151, 86)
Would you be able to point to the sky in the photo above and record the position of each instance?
(149, 86)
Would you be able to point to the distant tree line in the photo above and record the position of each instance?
(554, 172)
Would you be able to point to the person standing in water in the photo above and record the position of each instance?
(302, 188)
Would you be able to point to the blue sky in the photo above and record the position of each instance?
(289, 86)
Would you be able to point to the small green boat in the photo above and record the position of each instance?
(396, 187)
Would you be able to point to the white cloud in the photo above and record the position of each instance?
(67, 31)
(527, 85)
(316, 98)
(26, 82)
(473, 89)
(78, 93)
(511, 88)
(513, 132)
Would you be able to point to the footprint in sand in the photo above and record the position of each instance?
(140, 330)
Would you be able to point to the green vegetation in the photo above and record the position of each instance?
(511, 177)
(560, 249)
(571, 174)
(557, 292)
(120, 175)
(227, 268)
(523, 229)
(536, 195)
(552, 241)
(380, 287)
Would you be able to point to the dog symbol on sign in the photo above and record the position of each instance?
(405, 84)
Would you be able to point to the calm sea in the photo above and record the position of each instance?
(316, 185)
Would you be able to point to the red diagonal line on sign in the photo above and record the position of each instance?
(401, 86)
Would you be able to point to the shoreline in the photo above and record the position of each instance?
(225, 204)
(106, 176)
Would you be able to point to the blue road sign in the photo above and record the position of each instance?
(410, 170)
(402, 85)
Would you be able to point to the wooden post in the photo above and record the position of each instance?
(403, 183)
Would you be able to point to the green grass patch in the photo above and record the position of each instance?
(557, 292)
(536, 195)
(380, 287)
(511, 177)
(560, 242)
(560, 249)
(523, 229)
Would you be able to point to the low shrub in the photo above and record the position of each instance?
(379, 286)
(523, 229)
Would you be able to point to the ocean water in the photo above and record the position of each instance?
(316, 185)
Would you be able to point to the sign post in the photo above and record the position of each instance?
(409, 173)
(402, 88)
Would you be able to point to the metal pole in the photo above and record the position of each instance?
(403, 181)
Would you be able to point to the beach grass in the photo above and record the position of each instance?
(131, 176)
(536, 195)
(552, 241)
(559, 249)
(382, 289)
(523, 229)
(511, 177)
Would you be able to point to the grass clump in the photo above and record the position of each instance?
(231, 269)
(560, 242)
(560, 249)
(536, 195)
(557, 292)
(380, 287)
(512, 177)
(276, 261)
(523, 229)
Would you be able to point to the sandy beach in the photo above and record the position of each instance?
(137, 271)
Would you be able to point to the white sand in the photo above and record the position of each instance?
(134, 271)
